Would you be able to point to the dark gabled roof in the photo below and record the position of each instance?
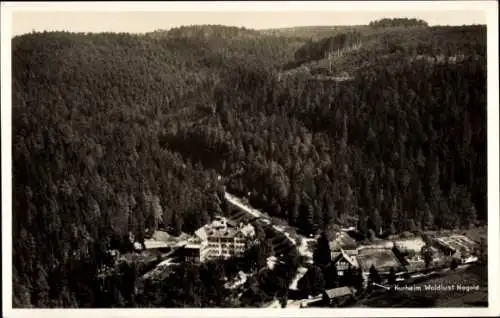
(339, 292)
(335, 256)
(345, 255)
(231, 222)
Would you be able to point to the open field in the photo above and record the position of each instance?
(379, 257)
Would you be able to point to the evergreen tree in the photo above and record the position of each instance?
(454, 264)
(313, 282)
(358, 280)
(157, 117)
(176, 224)
(427, 255)
(373, 277)
(322, 255)
(377, 222)
(331, 276)
(392, 277)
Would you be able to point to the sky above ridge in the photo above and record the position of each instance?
(147, 21)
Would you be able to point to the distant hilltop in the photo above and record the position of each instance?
(208, 30)
(398, 22)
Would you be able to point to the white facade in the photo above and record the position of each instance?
(223, 239)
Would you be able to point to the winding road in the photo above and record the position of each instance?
(301, 247)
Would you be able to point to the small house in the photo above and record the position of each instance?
(445, 247)
(159, 240)
(338, 296)
(160, 246)
(191, 253)
(344, 260)
(456, 246)
(160, 235)
(273, 304)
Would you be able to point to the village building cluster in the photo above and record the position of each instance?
(403, 256)
(220, 239)
(223, 239)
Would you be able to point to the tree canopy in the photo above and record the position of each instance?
(116, 133)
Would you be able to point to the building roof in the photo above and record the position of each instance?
(248, 230)
(223, 228)
(201, 233)
(349, 256)
(231, 223)
(377, 245)
(161, 235)
(456, 243)
(335, 255)
(343, 240)
(222, 233)
(411, 244)
(152, 244)
(383, 259)
(192, 246)
(339, 292)
(273, 304)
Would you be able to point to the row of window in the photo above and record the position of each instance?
(225, 251)
(226, 245)
(218, 256)
(219, 253)
(214, 254)
(222, 239)
(342, 266)
(221, 243)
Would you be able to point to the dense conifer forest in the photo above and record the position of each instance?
(112, 132)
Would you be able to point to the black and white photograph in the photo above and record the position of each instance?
(324, 159)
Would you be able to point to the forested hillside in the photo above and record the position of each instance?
(320, 49)
(112, 132)
(387, 44)
(397, 22)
